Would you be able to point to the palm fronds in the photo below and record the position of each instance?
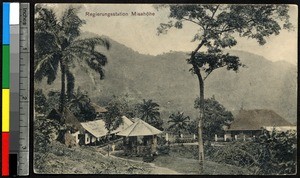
(178, 122)
(57, 44)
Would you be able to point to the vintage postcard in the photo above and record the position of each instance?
(165, 89)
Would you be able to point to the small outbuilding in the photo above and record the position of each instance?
(140, 138)
(100, 111)
(71, 133)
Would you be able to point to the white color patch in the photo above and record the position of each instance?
(14, 13)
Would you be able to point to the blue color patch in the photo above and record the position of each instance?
(5, 21)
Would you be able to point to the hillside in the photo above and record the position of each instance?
(93, 160)
(84, 160)
(166, 79)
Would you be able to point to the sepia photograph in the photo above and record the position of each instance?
(177, 89)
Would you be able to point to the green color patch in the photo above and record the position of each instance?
(5, 66)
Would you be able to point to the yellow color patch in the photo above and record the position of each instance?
(5, 110)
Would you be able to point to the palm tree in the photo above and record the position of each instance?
(57, 45)
(80, 104)
(179, 123)
(149, 112)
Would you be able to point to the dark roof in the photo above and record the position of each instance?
(257, 119)
(54, 114)
(68, 118)
(71, 120)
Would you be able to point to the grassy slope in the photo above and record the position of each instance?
(84, 160)
(90, 160)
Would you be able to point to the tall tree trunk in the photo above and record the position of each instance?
(200, 122)
(63, 87)
(201, 112)
(70, 84)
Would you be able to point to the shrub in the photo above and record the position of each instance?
(163, 150)
(161, 141)
(148, 158)
(281, 152)
(40, 101)
(272, 153)
(185, 140)
(45, 131)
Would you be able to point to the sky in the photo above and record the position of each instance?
(140, 33)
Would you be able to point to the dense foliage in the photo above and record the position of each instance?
(216, 117)
(193, 127)
(124, 103)
(272, 153)
(282, 152)
(40, 101)
(45, 103)
(112, 118)
(80, 104)
(45, 131)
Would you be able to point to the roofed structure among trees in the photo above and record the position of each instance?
(257, 119)
(249, 124)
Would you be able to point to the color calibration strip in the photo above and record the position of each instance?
(5, 88)
(10, 88)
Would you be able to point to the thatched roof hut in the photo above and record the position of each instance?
(71, 121)
(257, 119)
(67, 117)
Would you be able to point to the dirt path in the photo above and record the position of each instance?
(155, 169)
(162, 170)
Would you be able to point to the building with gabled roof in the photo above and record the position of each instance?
(249, 123)
(140, 138)
(95, 130)
(139, 128)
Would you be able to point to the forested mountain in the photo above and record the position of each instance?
(165, 78)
